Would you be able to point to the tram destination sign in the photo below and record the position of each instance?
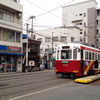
(65, 62)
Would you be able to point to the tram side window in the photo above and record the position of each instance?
(86, 55)
(96, 56)
(89, 55)
(58, 54)
(81, 54)
(75, 54)
(92, 56)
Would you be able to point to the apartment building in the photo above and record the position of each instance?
(86, 16)
(11, 14)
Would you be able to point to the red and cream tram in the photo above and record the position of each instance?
(76, 59)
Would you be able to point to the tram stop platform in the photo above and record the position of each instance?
(88, 79)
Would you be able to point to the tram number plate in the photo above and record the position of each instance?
(65, 64)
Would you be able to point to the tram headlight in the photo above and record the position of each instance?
(75, 71)
(56, 70)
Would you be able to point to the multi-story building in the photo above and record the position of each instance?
(31, 49)
(86, 16)
(11, 14)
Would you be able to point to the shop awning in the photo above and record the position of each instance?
(10, 53)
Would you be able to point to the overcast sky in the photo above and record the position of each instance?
(39, 9)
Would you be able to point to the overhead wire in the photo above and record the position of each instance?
(50, 10)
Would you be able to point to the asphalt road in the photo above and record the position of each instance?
(45, 85)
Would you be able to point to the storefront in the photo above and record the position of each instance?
(10, 59)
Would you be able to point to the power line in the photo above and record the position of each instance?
(50, 10)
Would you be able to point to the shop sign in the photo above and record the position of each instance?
(2, 47)
(24, 40)
(14, 48)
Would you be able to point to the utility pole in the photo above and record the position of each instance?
(27, 47)
(52, 49)
(32, 17)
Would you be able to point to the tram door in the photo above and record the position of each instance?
(82, 62)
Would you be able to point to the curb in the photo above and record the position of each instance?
(88, 79)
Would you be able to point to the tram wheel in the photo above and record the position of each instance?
(72, 76)
(63, 75)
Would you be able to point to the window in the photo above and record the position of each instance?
(84, 14)
(72, 39)
(80, 32)
(55, 38)
(39, 39)
(97, 13)
(18, 37)
(98, 56)
(97, 31)
(1, 15)
(8, 35)
(15, 0)
(46, 50)
(80, 23)
(66, 54)
(80, 39)
(89, 55)
(80, 14)
(63, 38)
(75, 54)
(82, 56)
(86, 55)
(84, 24)
(97, 22)
(48, 39)
(95, 56)
(12, 36)
(92, 56)
(6, 15)
(58, 54)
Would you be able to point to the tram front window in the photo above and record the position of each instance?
(66, 54)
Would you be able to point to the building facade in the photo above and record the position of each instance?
(31, 50)
(11, 14)
(86, 16)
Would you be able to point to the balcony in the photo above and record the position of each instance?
(77, 19)
(9, 25)
(11, 5)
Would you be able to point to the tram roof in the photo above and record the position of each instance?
(79, 44)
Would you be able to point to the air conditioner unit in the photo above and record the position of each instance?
(19, 15)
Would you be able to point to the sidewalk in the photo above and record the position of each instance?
(88, 79)
(18, 73)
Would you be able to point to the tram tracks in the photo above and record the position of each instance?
(47, 82)
(20, 75)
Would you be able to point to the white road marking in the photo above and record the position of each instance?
(38, 92)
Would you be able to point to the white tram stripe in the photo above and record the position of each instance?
(38, 92)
